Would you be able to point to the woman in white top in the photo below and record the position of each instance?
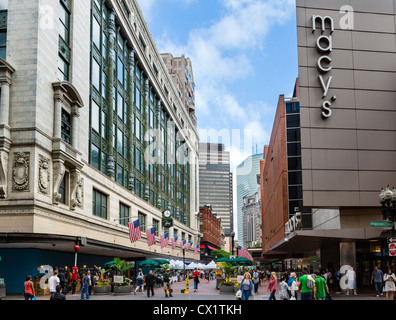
(390, 287)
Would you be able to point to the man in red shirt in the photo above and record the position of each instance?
(196, 275)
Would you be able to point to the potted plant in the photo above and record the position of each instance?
(124, 286)
(102, 286)
(227, 286)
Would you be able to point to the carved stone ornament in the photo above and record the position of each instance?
(3, 174)
(59, 172)
(77, 190)
(20, 171)
(44, 175)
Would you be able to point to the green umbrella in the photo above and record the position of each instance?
(240, 261)
(149, 264)
(224, 259)
(162, 261)
(110, 263)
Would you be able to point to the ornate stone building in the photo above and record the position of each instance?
(93, 135)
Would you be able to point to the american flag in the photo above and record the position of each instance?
(150, 236)
(243, 253)
(196, 249)
(164, 240)
(134, 231)
(189, 245)
(182, 243)
(174, 242)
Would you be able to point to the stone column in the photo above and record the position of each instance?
(5, 103)
(58, 117)
(131, 178)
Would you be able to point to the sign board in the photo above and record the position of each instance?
(381, 224)
(118, 279)
(392, 249)
(390, 240)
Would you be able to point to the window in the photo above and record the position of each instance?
(64, 39)
(99, 204)
(142, 220)
(95, 114)
(124, 214)
(293, 135)
(95, 75)
(95, 161)
(294, 149)
(3, 43)
(293, 121)
(62, 189)
(66, 126)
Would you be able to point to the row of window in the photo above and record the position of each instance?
(100, 209)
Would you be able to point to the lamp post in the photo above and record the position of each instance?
(388, 201)
(232, 241)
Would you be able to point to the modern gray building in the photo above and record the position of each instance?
(215, 181)
(347, 93)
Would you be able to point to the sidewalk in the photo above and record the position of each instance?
(206, 292)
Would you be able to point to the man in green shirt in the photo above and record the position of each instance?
(320, 288)
(306, 292)
(167, 283)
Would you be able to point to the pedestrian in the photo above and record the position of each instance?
(351, 278)
(196, 275)
(150, 281)
(74, 279)
(293, 287)
(84, 286)
(304, 285)
(376, 277)
(91, 282)
(167, 284)
(256, 280)
(53, 282)
(320, 288)
(58, 295)
(29, 288)
(390, 287)
(272, 286)
(247, 286)
(139, 281)
(338, 277)
(284, 288)
(62, 279)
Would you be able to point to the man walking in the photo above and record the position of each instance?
(84, 286)
(53, 282)
(150, 281)
(167, 284)
(320, 288)
(376, 278)
(306, 284)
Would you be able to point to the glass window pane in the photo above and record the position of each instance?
(95, 157)
(119, 141)
(96, 74)
(294, 149)
(293, 121)
(96, 32)
(120, 71)
(95, 115)
(120, 105)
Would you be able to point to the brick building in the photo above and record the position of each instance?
(212, 234)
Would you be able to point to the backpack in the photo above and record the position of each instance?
(310, 282)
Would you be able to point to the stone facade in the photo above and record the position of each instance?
(36, 162)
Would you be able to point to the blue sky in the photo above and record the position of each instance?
(244, 55)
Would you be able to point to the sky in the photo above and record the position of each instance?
(244, 55)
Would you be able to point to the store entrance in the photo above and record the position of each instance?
(368, 255)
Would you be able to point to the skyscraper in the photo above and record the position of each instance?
(215, 182)
(246, 179)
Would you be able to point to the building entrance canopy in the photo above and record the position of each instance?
(302, 243)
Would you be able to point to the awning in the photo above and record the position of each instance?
(303, 242)
(211, 248)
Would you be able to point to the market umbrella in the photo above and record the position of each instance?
(149, 264)
(110, 263)
(240, 261)
(163, 261)
(224, 259)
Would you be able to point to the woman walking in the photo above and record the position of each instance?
(139, 281)
(272, 286)
(29, 288)
(247, 286)
(390, 287)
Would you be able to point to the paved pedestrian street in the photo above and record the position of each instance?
(206, 292)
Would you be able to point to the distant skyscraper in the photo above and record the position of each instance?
(215, 182)
(246, 179)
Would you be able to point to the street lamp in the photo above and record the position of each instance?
(232, 241)
(388, 201)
